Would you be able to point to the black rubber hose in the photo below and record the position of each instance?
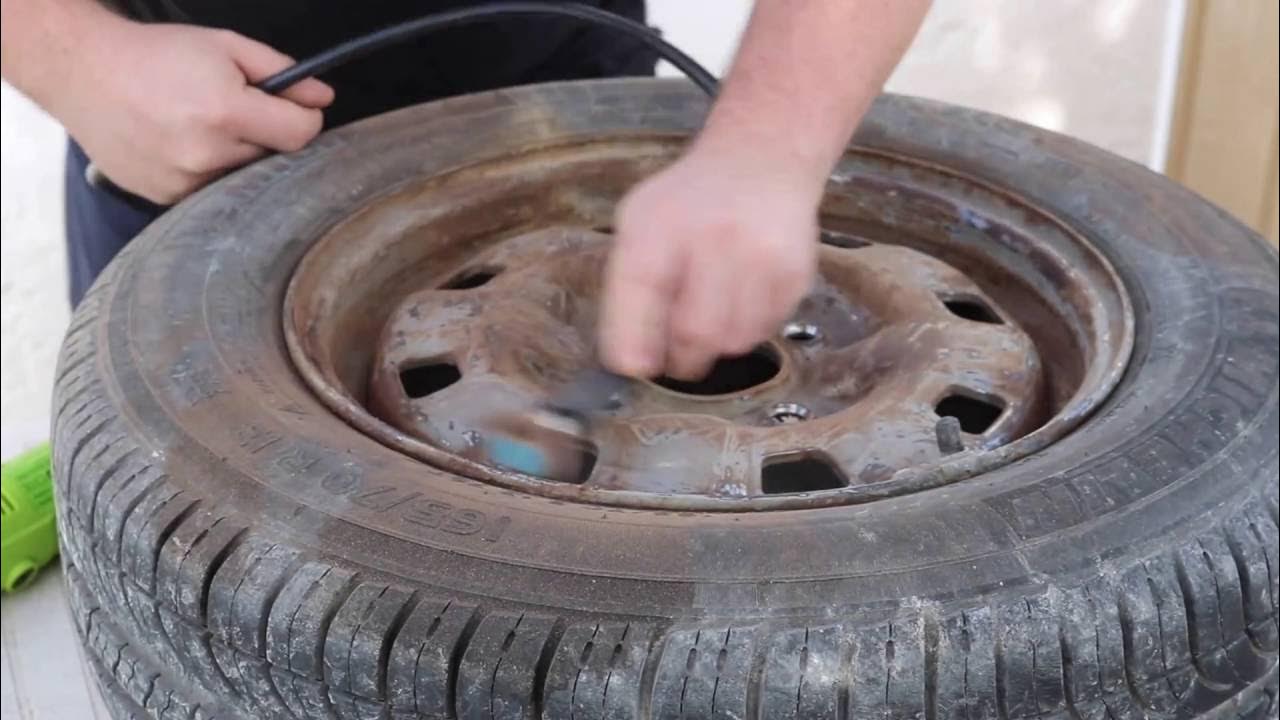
(378, 39)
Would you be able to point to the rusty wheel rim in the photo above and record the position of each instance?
(954, 328)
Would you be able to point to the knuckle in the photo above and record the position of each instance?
(231, 42)
(303, 132)
(294, 142)
(219, 117)
(171, 191)
(195, 157)
(212, 114)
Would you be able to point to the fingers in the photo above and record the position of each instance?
(701, 317)
(285, 123)
(689, 282)
(778, 304)
(747, 322)
(678, 306)
(259, 62)
(238, 154)
(640, 279)
(780, 295)
(196, 167)
(275, 123)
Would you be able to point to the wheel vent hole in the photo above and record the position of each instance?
(841, 240)
(800, 473)
(730, 375)
(420, 381)
(587, 466)
(972, 309)
(471, 279)
(975, 416)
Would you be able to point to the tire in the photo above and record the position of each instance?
(235, 551)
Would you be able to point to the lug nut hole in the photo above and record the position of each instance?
(420, 381)
(975, 416)
(973, 309)
(471, 279)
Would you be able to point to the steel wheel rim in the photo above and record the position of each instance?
(1107, 330)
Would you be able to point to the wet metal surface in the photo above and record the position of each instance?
(470, 295)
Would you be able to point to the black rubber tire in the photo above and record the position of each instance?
(235, 551)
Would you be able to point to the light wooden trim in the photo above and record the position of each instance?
(1224, 138)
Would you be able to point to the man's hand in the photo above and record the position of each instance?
(712, 255)
(160, 109)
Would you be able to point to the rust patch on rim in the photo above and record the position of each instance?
(953, 328)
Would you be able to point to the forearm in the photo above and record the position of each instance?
(805, 73)
(43, 43)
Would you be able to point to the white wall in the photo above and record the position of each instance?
(1098, 69)
(1102, 70)
(33, 295)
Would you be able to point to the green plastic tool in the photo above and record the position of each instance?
(28, 528)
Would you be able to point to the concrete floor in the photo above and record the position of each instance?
(42, 675)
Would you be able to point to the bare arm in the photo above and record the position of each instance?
(714, 252)
(38, 40)
(805, 73)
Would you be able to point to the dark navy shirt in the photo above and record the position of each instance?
(509, 51)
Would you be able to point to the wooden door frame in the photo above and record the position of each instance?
(1224, 142)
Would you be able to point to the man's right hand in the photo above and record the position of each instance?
(164, 109)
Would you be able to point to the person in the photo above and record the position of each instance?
(158, 94)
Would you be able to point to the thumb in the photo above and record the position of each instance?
(259, 62)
